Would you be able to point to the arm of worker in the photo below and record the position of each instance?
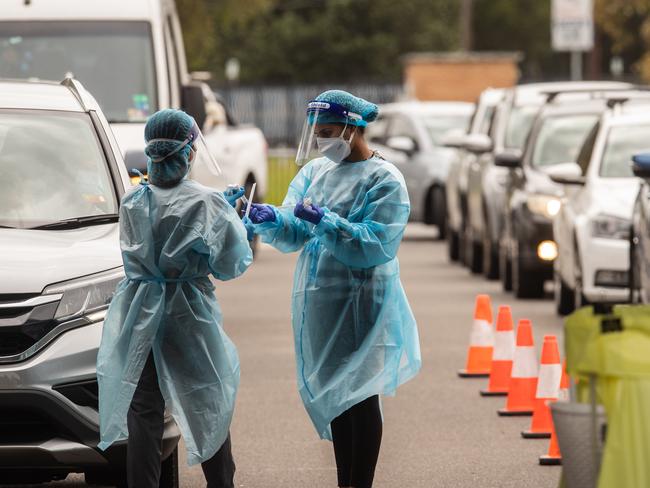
(224, 242)
(375, 239)
(277, 225)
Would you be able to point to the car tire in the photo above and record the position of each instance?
(525, 283)
(563, 296)
(439, 212)
(490, 257)
(453, 245)
(579, 299)
(505, 268)
(169, 474)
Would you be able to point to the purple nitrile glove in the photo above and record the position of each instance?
(310, 213)
(261, 213)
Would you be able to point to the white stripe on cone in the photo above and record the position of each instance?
(548, 384)
(481, 335)
(504, 345)
(524, 364)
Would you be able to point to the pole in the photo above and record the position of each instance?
(466, 25)
(576, 65)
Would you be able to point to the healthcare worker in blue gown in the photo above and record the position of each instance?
(163, 344)
(355, 335)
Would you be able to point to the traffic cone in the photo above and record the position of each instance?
(523, 381)
(481, 341)
(548, 390)
(504, 351)
(554, 456)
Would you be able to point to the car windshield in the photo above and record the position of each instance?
(560, 138)
(519, 124)
(114, 61)
(623, 142)
(438, 125)
(52, 168)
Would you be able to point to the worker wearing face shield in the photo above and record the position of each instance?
(355, 335)
(163, 345)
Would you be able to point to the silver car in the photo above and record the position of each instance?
(410, 135)
(60, 187)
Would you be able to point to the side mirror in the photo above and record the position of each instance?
(566, 174)
(477, 143)
(401, 143)
(453, 138)
(508, 158)
(136, 159)
(193, 102)
(641, 165)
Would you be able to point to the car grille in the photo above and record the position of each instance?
(25, 320)
(24, 425)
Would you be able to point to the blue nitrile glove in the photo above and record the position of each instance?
(233, 194)
(261, 213)
(311, 213)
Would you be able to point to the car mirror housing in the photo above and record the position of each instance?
(193, 102)
(510, 158)
(401, 143)
(566, 174)
(477, 143)
(454, 138)
(641, 165)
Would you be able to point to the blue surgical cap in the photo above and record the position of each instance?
(167, 124)
(367, 110)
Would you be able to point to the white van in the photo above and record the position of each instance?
(130, 55)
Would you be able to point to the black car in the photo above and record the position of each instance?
(527, 248)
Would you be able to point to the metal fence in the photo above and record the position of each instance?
(279, 111)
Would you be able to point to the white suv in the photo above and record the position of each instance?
(593, 225)
(61, 180)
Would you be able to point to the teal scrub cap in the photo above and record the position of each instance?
(362, 111)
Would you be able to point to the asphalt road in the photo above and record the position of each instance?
(438, 431)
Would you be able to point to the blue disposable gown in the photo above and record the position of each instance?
(172, 240)
(355, 335)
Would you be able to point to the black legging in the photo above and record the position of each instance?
(145, 421)
(357, 438)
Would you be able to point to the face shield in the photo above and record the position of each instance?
(324, 120)
(202, 155)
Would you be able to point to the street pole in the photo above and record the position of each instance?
(466, 25)
(576, 65)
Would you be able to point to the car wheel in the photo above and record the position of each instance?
(579, 299)
(505, 268)
(439, 212)
(525, 283)
(490, 257)
(453, 245)
(563, 295)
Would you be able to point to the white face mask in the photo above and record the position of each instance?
(335, 148)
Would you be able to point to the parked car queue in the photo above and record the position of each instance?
(543, 188)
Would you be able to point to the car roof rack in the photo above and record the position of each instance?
(596, 93)
(74, 87)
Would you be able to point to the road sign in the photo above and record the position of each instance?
(572, 25)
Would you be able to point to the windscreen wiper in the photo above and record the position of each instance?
(76, 222)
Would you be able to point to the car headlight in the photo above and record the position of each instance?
(544, 205)
(610, 227)
(86, 297)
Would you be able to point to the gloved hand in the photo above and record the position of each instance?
(250, 231)
(233, 194)
(311, 213)
(261, 213)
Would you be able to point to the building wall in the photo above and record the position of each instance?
(433, 78)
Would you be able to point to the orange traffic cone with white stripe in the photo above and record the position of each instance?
(523, 380)
(554, 456)
(481, 342)
(548, 390)
(504, 351)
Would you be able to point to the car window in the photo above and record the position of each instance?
(402, 127)
(486, 121)
(438, 125)
(519, 124)
(623, 142)
(376, 132)
(587, 149)
(53, 168)
(560, 138)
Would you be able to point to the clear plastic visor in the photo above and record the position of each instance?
(324, 120)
